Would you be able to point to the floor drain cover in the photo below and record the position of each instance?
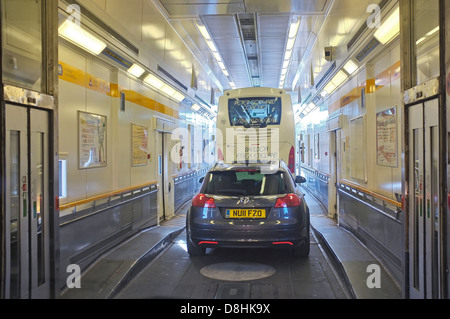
(237, 271)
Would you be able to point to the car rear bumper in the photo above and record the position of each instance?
(282, 237)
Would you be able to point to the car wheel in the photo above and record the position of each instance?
(303, 250)
(194, 250)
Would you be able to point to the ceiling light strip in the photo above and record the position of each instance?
(390, 27)
(215, 52)
(80, 37)
(160, 85)
(290, 43)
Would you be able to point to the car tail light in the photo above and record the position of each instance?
(283, 243)
(291, 163)
(202, 200)
(206, 242)
(290, 200)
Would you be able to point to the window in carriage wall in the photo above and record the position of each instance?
(426, 39)
(22, 43)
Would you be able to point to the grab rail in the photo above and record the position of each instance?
(103, 196)
(369, 192)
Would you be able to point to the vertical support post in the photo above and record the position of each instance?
(50, 71)
(444, 9)
(407, 81)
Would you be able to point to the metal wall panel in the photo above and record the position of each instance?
(381, 233)
(186, 187)
(88, 233)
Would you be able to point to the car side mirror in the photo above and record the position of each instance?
(300, 180)
(201, 179)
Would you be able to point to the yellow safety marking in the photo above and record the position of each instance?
(76, 76)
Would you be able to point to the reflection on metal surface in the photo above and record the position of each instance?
(237, 271)
(23, 96)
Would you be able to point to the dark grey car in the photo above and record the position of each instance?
(249, 206)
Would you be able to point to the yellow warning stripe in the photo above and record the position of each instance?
(76, 76)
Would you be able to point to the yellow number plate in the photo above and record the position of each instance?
(245, 213)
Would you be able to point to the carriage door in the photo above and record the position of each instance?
(164, 128)
(27, 204)
(424, 193)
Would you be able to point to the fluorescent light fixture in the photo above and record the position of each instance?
(195, 107)
(211, 45)
(389, 28)
(294, 28)
(178, 96)
(221, 65)
(204, 31)
(154, 81)
(323, 93)
(168, 90)
(329, 88)
(217, 56)
(75, 34)
(213, 48)
(350, 67)
(311, 106)
(171, 92)
(136, 70)
(339, 78)
(287, 55)
(290, 44)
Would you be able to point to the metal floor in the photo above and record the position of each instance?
(352, 260)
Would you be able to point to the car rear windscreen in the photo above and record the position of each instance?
(246, 182)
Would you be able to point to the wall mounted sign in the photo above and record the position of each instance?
(387, 146)
(91, 140)
(139, 142)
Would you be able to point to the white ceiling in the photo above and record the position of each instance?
(251, 35)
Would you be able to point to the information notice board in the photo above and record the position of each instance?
(387, 146)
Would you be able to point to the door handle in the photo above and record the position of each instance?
(24, 197)
(24, 204)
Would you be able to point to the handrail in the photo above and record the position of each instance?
(194, 171)
(94, 198)
(313, 170)
(365, 190)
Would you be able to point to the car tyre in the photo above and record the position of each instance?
(194, 250)
(303, 250)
